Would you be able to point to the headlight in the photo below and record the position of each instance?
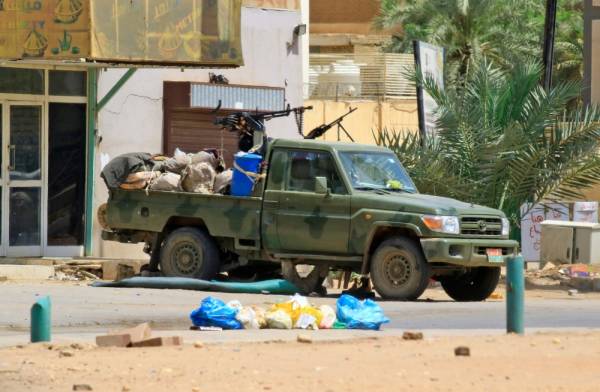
(442, 224)
(505, 227)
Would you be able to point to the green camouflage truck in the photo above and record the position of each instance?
(334, 206)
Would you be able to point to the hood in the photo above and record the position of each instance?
(422, 204)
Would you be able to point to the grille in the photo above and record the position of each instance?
(480, 226)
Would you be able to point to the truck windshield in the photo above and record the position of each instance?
(376, 171)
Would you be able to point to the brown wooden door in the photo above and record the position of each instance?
(193, 129)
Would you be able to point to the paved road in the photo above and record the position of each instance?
(79, 310)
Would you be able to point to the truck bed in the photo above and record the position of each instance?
(224, 216)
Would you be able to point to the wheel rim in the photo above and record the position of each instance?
(398, 269)
(187, 259)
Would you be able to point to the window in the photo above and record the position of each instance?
(67, 83)
(306, 165)
(21, 81)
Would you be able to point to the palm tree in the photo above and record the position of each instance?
(503, 141)
(468, 29)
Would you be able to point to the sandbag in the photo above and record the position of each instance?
(198, 178)
(181, 160)
(204, 157)
(222, 181)
(176, 164)
(166, 182)
(139, 180)
(116, 171)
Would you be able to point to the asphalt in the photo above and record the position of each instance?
(80, 312)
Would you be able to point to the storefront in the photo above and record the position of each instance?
(77, 90)
(43, 137)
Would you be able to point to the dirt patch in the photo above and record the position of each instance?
(542, 362)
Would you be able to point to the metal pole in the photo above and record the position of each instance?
(515, 295)
(420, 103)
(92, 87)
(549, 31)
(41, 320)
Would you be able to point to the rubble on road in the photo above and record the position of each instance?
(582, 277)
(412, 335)
(462, 351)
(138, 336)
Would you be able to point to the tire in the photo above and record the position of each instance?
(399, 270)
(476, 285)
(190, 253)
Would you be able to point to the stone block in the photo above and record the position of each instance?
(159, 342)
(125, 337)
(114, 340)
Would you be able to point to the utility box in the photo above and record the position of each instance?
(570, 242)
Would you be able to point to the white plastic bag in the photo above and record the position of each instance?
(247, 317)
(178, 153)
(278, 319)
(329, 317)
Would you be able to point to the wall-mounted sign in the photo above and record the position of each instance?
(187, 32)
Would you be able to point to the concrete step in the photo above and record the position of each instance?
(26, 272)
(25, 268)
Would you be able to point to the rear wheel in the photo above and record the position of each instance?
(475, 285)
(191, 253)
(399, 270)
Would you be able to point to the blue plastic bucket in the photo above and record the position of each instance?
(243, 180)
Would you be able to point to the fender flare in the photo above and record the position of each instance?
(375, 228)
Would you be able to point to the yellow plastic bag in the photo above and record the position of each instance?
(290, 308)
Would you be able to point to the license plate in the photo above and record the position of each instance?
(494, 255)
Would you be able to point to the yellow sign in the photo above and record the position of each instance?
(186, 32)
(205, 32)
(48, 29)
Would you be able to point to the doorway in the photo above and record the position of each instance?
(42, 157)
(21, 178)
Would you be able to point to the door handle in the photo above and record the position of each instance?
(568, 253)
(12, 156)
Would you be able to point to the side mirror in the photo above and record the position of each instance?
(321, 186)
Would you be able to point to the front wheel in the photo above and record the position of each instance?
(475, 285)
(399, 270)
(190, 253)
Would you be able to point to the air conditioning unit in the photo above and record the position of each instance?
(570, 242)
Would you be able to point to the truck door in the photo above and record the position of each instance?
(305, 221)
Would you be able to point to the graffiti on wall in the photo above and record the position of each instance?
(201, 32)
(48, 29)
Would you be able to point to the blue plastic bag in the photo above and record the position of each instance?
(215, 313)
(360, 315)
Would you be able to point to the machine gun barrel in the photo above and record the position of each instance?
(321, 129)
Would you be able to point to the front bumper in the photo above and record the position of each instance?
(466, 252)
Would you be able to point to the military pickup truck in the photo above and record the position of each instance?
(333, 206)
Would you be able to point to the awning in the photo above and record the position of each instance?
(155, 32)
